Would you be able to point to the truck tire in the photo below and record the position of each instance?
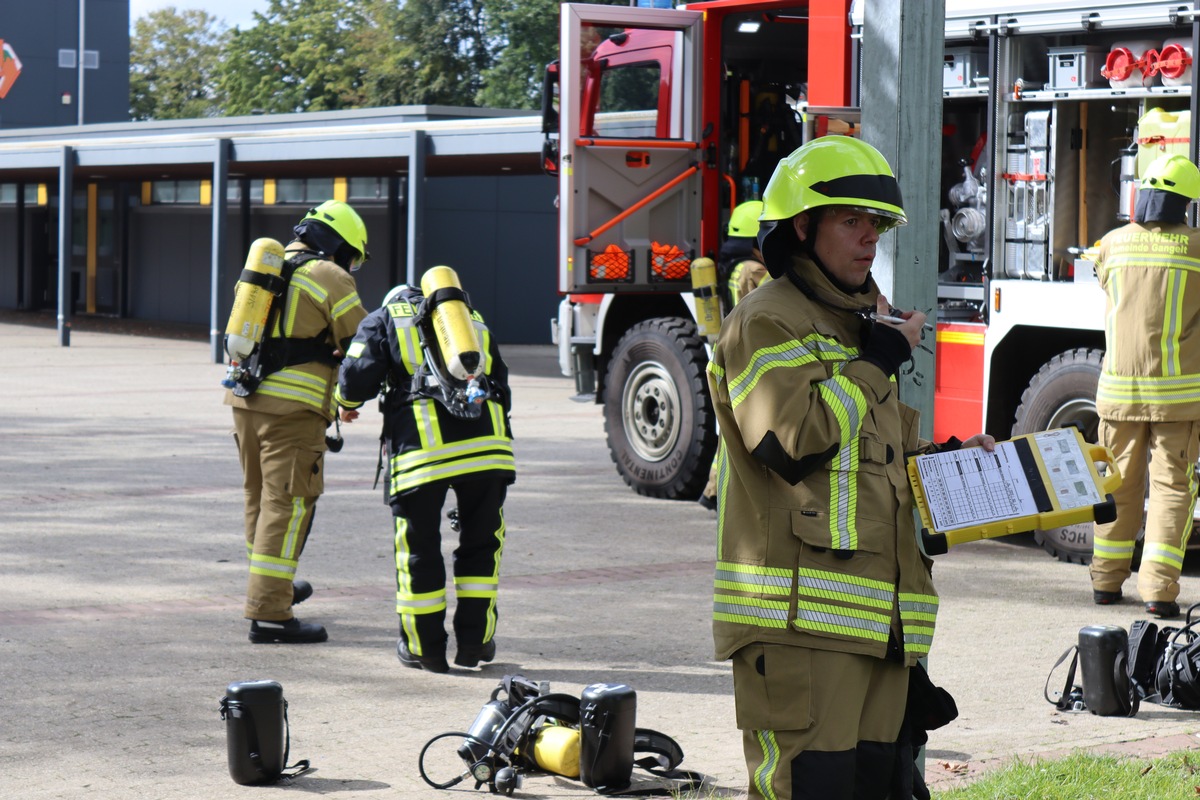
(657, 413)
(1063, 391)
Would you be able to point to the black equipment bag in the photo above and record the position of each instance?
(257, 734)
(607, 721)
(1101, 657)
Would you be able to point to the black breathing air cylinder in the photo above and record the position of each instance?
(1105, 690)
(255, 730)
(607, 721)
(483, 731)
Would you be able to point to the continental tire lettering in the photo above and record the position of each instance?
(655, 473)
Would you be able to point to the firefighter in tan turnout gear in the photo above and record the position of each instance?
(823, 599)
(445, 428)
(1149, 392)
(280, 420)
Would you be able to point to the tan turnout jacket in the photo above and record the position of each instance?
(1151, 372)
(815, 544)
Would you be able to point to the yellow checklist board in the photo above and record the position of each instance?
(1030, 482)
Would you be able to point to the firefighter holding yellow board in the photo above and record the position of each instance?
(282, 398)
(1148, 398)
(445, 403)
(823, 600)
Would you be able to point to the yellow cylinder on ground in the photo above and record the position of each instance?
(452, 325)
(704, 290)
(556, 750)
(251, 303)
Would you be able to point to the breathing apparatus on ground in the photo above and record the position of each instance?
(525, 730)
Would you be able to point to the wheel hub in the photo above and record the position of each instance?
(650, 411)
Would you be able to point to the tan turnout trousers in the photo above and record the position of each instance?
(1172, 448)
(811, 701)
(282, 459)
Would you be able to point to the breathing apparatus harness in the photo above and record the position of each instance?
(278, 352)
(462, 398)
(505, 743)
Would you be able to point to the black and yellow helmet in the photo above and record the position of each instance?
(343, 221)
(829, 171)
(834, 171)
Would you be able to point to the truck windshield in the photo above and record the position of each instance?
(630, 87)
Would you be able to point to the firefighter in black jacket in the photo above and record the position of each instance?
(440, 433)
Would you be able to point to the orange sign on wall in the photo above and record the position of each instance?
(10, 68)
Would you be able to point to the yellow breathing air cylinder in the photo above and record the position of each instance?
(251, 303)
(452, 325)
(708, 304)
(556, 750)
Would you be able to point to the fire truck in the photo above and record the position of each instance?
(659, 121)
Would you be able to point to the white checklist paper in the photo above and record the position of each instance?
(971, 486)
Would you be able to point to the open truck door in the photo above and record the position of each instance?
(629, 148)
(630, 167)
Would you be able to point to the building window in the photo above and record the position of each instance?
(318, 190)
(289, 190)
(187, 192)
(303, 191)
(8, 194)
(169, 193)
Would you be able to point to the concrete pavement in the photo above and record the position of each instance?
(122, 571)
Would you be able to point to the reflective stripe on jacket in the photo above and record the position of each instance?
(1151, 275)
(321, 298)
(744, 278)
(815, 538)
(426, 442)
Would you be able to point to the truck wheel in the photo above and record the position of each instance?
(657, 413)
(1063, 391)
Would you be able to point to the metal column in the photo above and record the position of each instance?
(66, 204)
(414, 197)
(896, 39)
(220, 204)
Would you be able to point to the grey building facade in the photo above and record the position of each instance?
(43, 37)
(163, 213)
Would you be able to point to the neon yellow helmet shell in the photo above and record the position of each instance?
(744, 219)
(834, 171)
(345, 222)
(1176, 174)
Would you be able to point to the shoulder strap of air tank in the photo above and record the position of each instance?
(666, 757)
(436, 298)
(275, 284)
(303, 765)
(1065, 702)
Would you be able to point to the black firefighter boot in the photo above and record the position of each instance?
(291, 631)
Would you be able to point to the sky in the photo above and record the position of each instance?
(236, 13)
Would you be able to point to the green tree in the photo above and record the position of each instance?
(524, 35)
(441, 52)
(173, 58)
(300, 55)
